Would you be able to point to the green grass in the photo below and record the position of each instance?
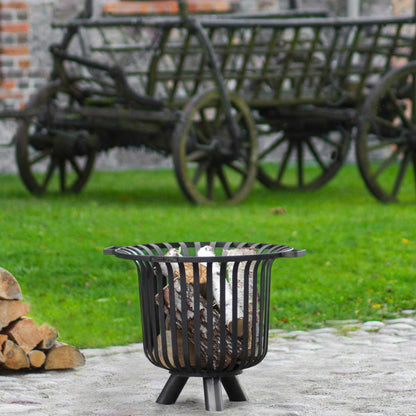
(360, 262)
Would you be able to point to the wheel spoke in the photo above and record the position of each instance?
(383, 127)
(272, 147)
(75, 166)
(224, 182)
(299, 148)
(398, 109)
(62, 175)
(196, 155)
(200, 135)
(200, 169)
(237, 168)
(387, 163)
(331, 142)
(210, 183)
(403, 166)
(49, 173)
(383, 144)
(284, 162)
(315, 154)
(386, 123)
(40, 157)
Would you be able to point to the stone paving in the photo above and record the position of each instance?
(347, 369)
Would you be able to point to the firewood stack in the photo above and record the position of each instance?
(209, 315)
(24, 345)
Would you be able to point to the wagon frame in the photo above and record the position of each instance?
(202, 87)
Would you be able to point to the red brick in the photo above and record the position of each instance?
(7, 95)
(24, 63)
(14, 50)
(162, 7)
(17, 5)
(22, 27)
(7, 84)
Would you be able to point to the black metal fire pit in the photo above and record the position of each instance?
(204, 310)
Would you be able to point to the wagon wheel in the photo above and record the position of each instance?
(208, 170)
(386, 137)
(301, 160)
(48, 157)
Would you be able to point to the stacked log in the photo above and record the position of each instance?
(182, 292)
(24, 345)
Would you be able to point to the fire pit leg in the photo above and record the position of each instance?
(233, 389)
(213, 394)
(172, 389)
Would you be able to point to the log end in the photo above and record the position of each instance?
(240, 327)
(63, 356)
(14, 356)
(9, 287)
(37, 358)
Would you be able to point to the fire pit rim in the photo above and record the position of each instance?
(274, 251)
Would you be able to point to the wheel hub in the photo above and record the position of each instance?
(220, 149)
(70, 144)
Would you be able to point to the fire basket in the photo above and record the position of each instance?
(204, 310)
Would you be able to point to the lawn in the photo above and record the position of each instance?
(360, 262)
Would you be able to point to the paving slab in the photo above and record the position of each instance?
(327, 372)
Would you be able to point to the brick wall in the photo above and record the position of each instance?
(18, 78)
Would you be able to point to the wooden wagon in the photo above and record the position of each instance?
(233, 98)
